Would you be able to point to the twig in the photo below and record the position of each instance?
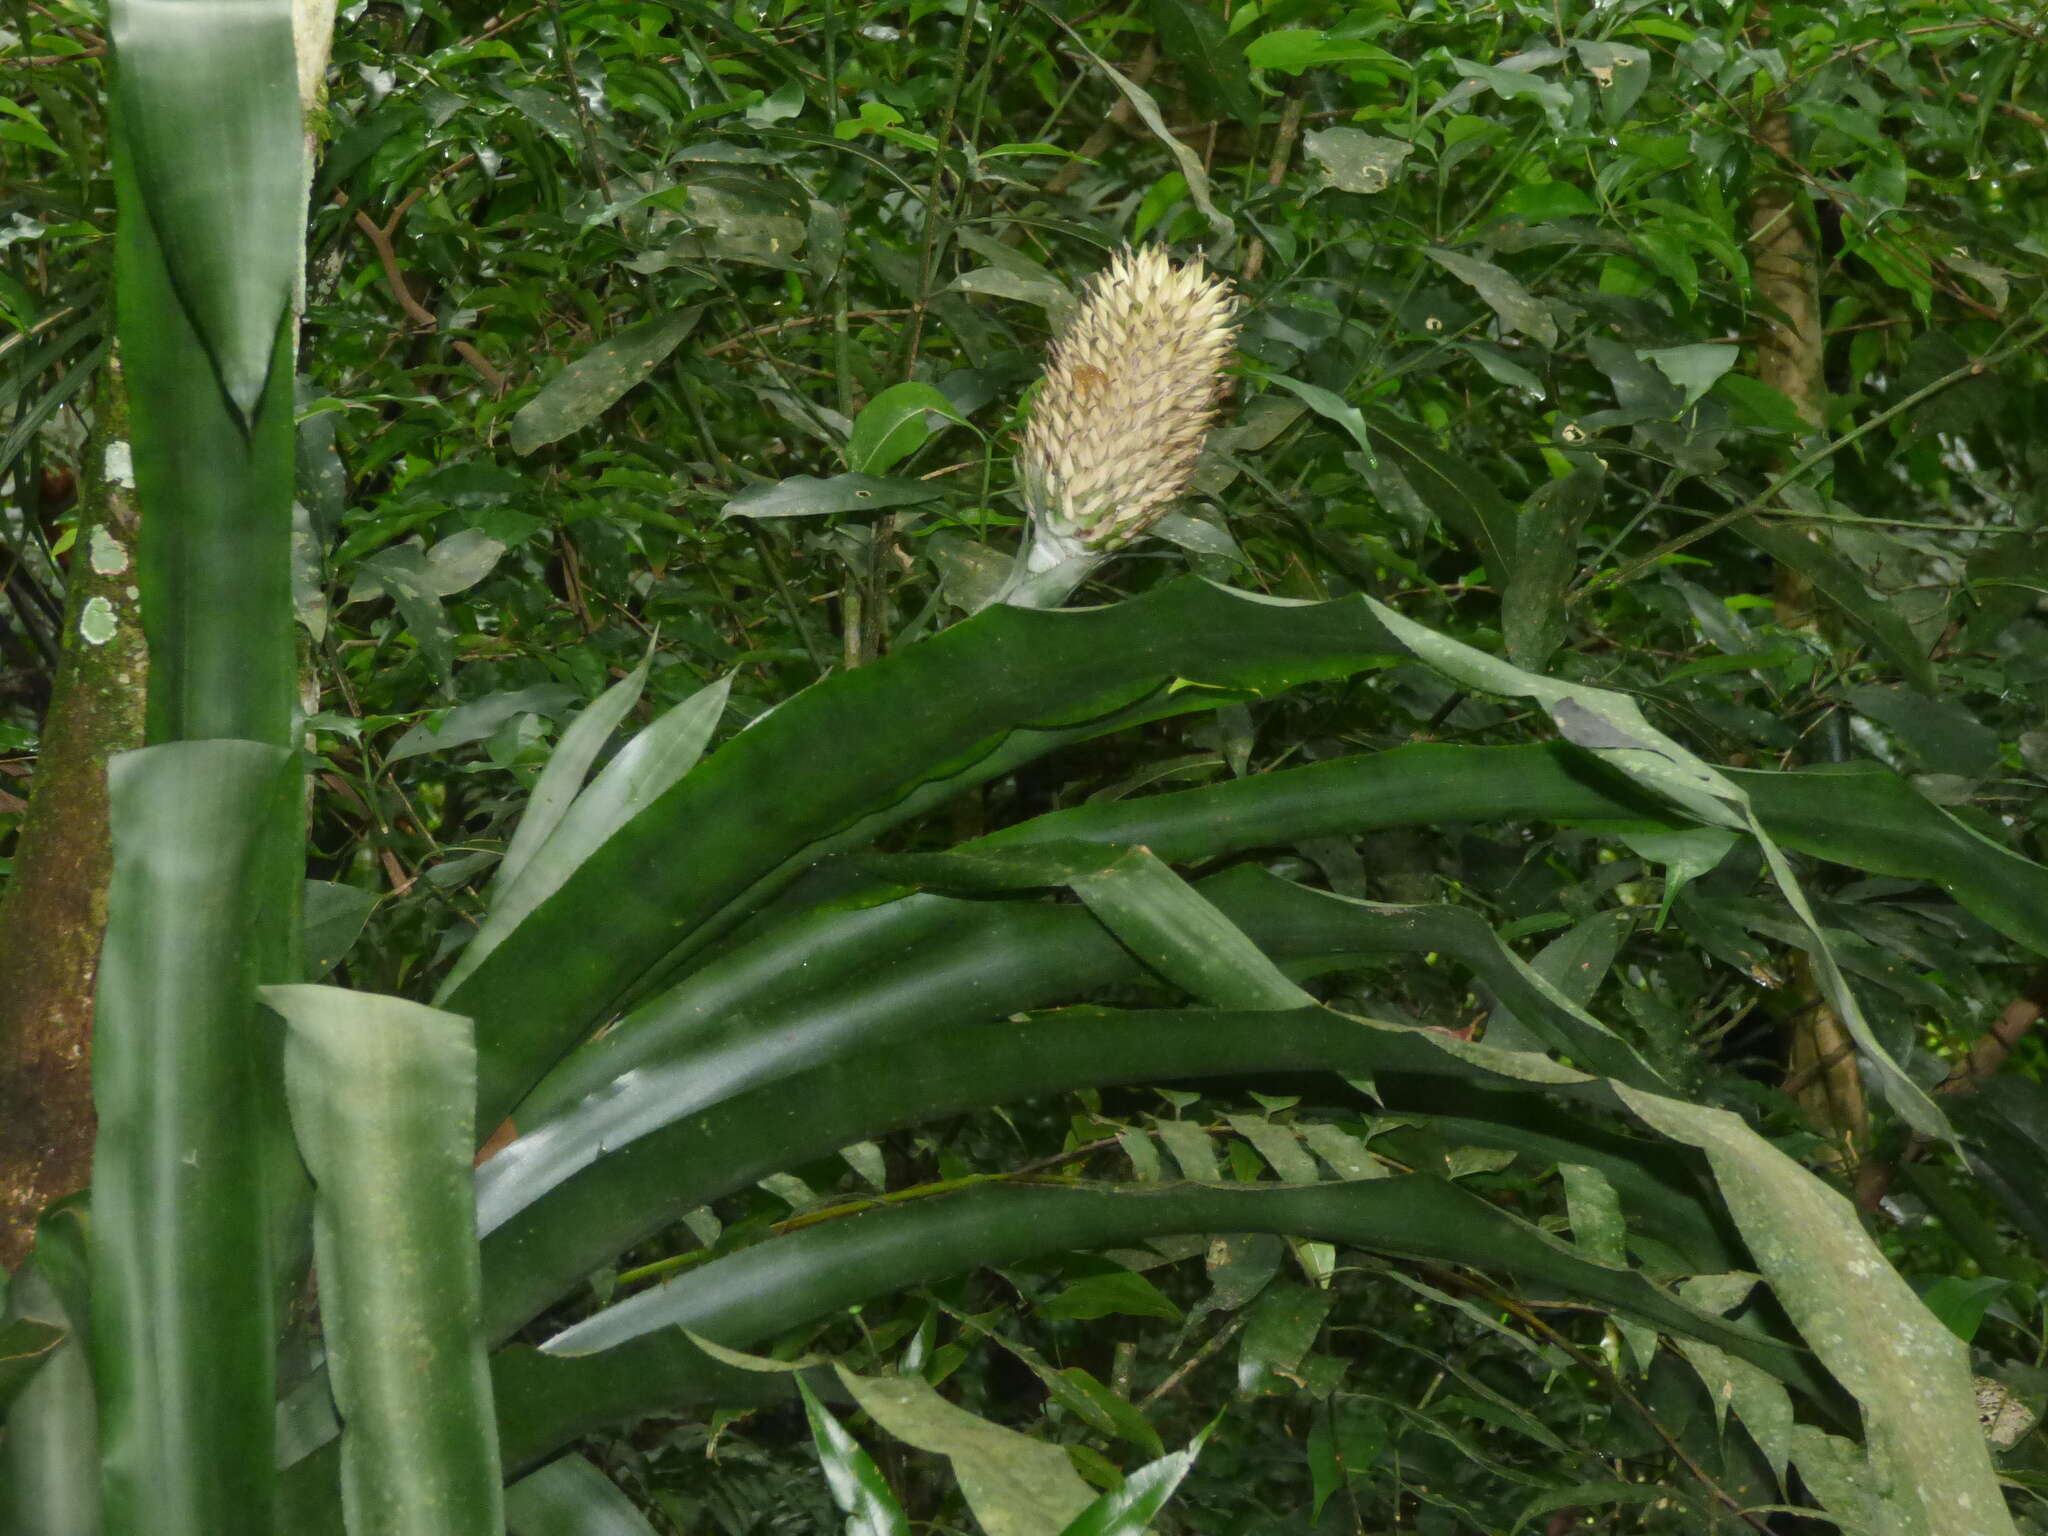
(735, 343)
(1276, 172)
(1972, 99)
(1987, 1055)
(52, 60)
(2002, 1039)
(1200, 1357)
(1620, 1388)
(379, 236)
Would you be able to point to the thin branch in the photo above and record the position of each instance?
(379, 236)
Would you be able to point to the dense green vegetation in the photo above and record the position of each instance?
(1375, 1039)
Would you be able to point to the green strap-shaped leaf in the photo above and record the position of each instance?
(207, 97)
(1612, 725)
(546, 1400)
(1159, 917)
(542, 1250)
(823, 1268)
(564, 835)
(781, 792)
(568, 766)
(1864, 816)
(381, 1093)
(209, 188)
(49, 1456)
(570, 1497)
(182, 1305)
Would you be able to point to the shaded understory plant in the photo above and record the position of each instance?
(698, 970)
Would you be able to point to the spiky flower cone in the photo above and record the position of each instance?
(1129, 393)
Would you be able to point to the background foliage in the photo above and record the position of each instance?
(597, 293)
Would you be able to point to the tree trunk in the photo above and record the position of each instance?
(55, 905)
(1789, 356)
(1820, 1059)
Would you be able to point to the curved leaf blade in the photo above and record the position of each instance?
(826, 1267)
(182, 1307)
(208, 101)
(644, 769)
(381, 1093)
(570, 1497)
(768, 802)
(541, 1251)
(1612, 724)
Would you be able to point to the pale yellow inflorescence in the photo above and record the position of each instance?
(1130, 391)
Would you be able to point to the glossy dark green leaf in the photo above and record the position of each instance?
(402, 573)
(542, 1246)
(1124, 1293)
(2006, 1121)
(208, 100)
(570, 1497)
(584, 390)
(805, 496)
(891, 427)
(857, 1484)
(1472, 508)
(1518, 309)
(1945, 737)
(1613, 725)
(835, 1264)
(381, 1098)
(1280, 1328)
(1129, 1510)
(1329, 405)
(182, 1300)
(214, 557)
(814, 773)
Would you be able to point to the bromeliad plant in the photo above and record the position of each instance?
(697, 972)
